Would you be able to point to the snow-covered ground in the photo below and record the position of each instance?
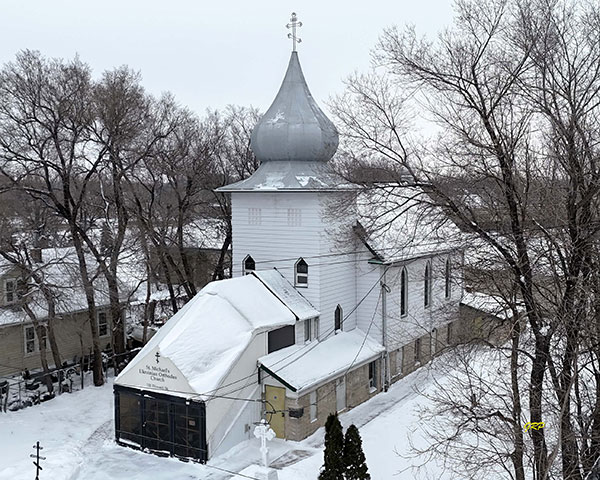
(76, 432)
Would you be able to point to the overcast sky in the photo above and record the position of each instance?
(217, 52)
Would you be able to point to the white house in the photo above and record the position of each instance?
(346, 313)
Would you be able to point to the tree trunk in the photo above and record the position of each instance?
(517, 455)
(39, 330)
(219, 272)
(88, 288)
(51, 318)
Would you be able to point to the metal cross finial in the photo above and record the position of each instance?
(293, 24)
(264, 432)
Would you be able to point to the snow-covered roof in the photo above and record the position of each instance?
(285, 291)
(402, 223)
(60, 271)
(204, 339)
(288, 175)
(303, 366)
(490, 304)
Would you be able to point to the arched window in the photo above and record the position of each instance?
(301, 273)
(339, 315)
(448, 278)
(403, 292)
(427, 285)
(249, 265)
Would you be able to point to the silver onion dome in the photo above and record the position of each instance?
(294, 127)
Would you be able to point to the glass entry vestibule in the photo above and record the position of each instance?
(162, 423)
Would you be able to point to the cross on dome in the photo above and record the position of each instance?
(293, 24)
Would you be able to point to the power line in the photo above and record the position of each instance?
(309, 346)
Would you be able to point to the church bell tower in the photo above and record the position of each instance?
(280, 216)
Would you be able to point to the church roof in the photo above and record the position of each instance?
(287, 175)
(399, 223)
(304, 366)
(294, 128)
(202, 341)
(285, 291)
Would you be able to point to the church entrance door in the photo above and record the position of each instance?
(275, 397)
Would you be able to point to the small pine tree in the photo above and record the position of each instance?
(354, 457)
(333, 466)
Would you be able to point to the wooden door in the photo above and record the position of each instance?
(275, 397)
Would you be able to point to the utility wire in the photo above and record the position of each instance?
(308, 347)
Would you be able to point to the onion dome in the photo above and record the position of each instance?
(294, 127)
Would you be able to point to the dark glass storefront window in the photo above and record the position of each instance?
(161, 423)
(130, 416)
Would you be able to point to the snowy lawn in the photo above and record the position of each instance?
(77, 434)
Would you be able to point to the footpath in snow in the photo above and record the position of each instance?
(77, 434)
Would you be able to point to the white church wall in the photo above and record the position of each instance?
(242, 426)
(226, 419)
(338, 269)
(277, 229)
(369, 311)
(419, 320)
(155, 372)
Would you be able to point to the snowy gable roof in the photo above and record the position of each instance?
(204, 339)
(60, 271)
(401, 223)
(285, 291)
(490, 304)
(303, 366)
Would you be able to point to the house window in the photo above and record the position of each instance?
(434, 335)
(249, 265)
(448, 278)
(399, 360)
(102, 324)
(307, 332)
(338, 316)
(449, 334)
(294, 217)
(373, 376)
(9, 291)
(313, 406)
(301, 273)
(403, 292)
(417, 350)
(427, 286)
(32, 344)
(281, 338)
(254, 216)
(316, 329)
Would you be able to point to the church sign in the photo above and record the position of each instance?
(156, 372)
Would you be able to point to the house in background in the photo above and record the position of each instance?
(20, 341)
(373, 307)
(201, 251)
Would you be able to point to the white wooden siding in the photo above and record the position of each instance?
(419, 320)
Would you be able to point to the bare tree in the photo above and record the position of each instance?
(512, 88)
(45, 118)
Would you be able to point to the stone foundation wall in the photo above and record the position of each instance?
(357, 392)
